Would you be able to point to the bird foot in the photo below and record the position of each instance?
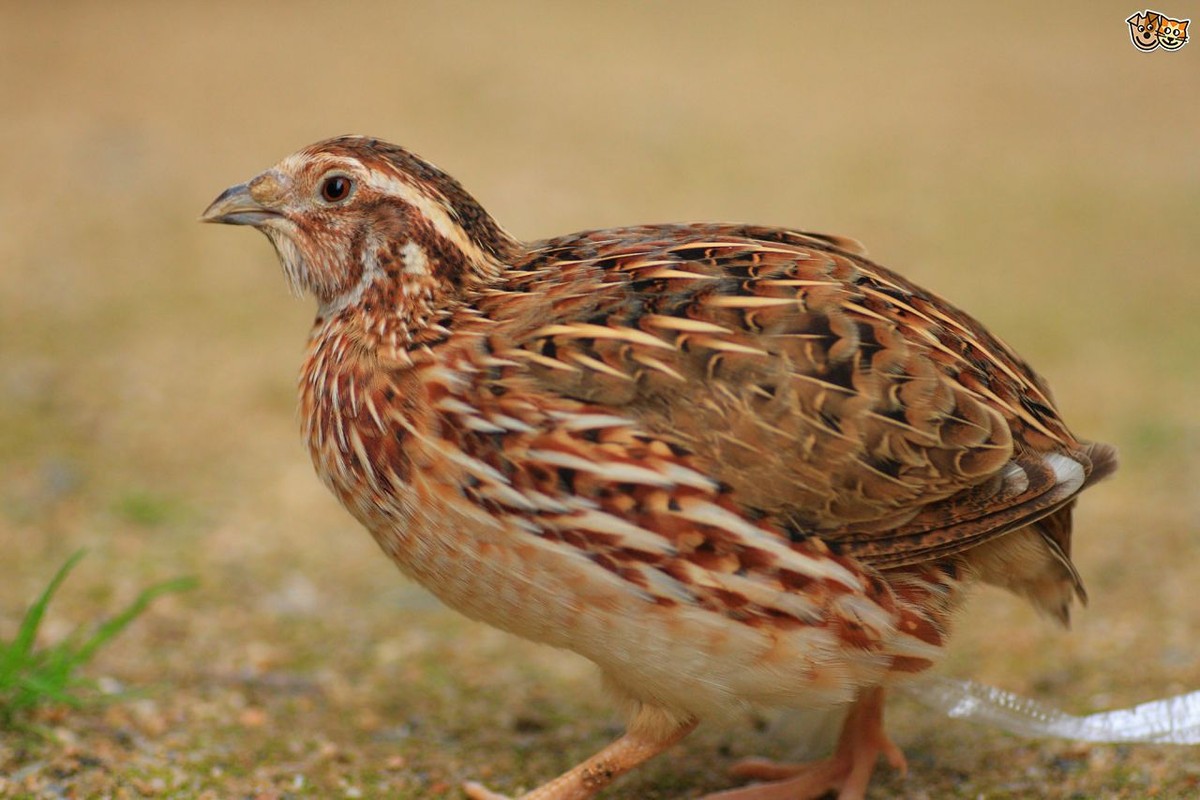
(477, 791)
(847, 771)
(642, 741)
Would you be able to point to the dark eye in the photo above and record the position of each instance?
(336, 188)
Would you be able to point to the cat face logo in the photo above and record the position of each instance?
(1150, 30)
(1172, 33)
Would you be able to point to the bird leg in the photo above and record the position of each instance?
(647, 737)
(846, 772)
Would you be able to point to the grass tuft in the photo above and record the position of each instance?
(31, 677)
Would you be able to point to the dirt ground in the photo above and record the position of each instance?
(1023, 159)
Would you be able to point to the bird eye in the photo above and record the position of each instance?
(336, 188)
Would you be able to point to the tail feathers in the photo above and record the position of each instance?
(1035, 562)
(1103, 458)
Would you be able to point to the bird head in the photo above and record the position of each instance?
(351, 211)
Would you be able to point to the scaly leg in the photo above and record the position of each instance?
(847, 771)
(647, 737)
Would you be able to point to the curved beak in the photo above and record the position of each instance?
(236, 206)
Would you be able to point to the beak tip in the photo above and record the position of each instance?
(236, 206)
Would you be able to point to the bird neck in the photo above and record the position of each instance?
(405, 298)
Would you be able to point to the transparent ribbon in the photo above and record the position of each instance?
(1174, 720)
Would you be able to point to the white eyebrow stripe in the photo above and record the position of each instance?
(428, 202)
(432, 208)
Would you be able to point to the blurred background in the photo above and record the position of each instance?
(1022, 159)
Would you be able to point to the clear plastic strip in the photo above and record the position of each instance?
(1174, 720)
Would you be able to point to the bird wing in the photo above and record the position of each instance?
(822, 389)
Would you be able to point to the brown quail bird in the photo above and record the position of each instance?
(735, 466)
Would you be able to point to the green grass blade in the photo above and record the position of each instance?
(112, 627)
(30, 677)
(17, 652)
(35, 689)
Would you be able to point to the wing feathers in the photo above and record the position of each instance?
(818, 387)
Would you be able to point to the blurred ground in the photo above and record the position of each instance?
(1023, 159)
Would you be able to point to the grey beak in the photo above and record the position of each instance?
(236, 206)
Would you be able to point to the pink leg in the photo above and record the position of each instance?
(847, 771)
(644, 740)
